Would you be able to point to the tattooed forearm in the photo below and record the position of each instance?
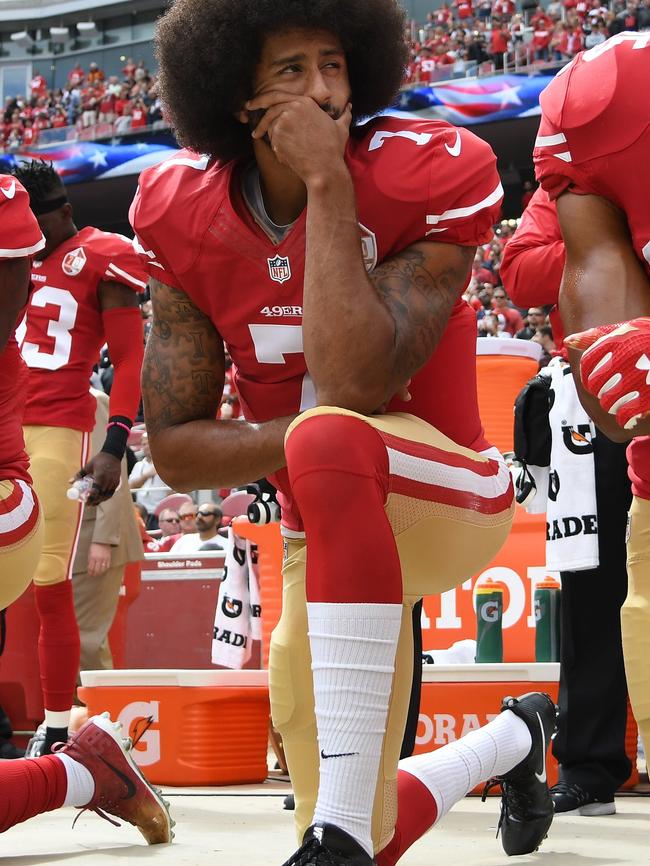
(183, 371)
(420, 288)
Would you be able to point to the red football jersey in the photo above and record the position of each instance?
(62, 332)
(20, 236)
(533, 260)
(594, 139)
(413, 180)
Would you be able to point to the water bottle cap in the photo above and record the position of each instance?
(548, 583)
(72, 493)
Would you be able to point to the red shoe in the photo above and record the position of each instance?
(120, 788)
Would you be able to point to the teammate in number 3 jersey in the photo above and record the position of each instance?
(591, 155)
(85, 286)
(331, 257)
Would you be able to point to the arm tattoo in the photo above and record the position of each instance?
(183, 370)
(420, 294)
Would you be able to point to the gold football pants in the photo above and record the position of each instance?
(439, 546)
(635, 616)
(55, 455)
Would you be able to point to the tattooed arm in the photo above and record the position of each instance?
(182, 384)
(366, 335)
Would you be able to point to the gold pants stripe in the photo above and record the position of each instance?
(18, 559)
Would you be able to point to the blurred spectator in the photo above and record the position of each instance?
(643, 15)
(464, 11)
(512, 321)
(138, 114)
(499, 37)
(128, 70)
(76, 75)
(38, 85)
(206, 537)
(535, 318)
(150, 487)
(95, 75)
(187, 515)
(123, 121)
(169, 524)
(544, 337)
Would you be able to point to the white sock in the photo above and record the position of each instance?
(353, 650)
(81, 785)
(57, 719)
(451, 772)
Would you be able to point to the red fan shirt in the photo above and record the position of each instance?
(413, 180)
(594, 139)
(63, 332)
(20, 236)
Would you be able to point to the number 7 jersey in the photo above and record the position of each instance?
(414, 180)
(63, 332)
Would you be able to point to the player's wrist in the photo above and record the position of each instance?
(117, 434)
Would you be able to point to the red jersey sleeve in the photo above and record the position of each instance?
(20, 235)
(533, 259)
(465, 192)
(590, 111)
(165, 209)
(426, 180)
(122, 263)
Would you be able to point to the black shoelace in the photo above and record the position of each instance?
(313, 848)
(513, 800)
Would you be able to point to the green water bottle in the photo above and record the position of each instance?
(489, 621)
(547, 598)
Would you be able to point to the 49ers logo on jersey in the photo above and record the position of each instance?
(73, 262)
(279, 269)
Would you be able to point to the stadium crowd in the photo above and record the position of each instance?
(465, 33)
(127, 102)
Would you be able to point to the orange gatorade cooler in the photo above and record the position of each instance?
(502, 368)
(457, 699)
(207, 727)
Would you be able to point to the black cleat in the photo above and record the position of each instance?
(526, 804)
(289, 803)
(326, 845)
(571, 799)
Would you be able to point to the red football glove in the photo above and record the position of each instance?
(615, 368)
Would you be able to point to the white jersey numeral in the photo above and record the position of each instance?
(646, 252)
(272, 343)
(58, 329)
(419, 138)
(639, 40)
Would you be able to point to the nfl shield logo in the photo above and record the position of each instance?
(73, 262)
(279, 269)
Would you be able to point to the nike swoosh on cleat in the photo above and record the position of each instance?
(340, 755)
(9, 192)
(455, 149)
(541, 777)
(130, 786)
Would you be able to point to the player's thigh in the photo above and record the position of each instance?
(21, 535)
(450, 508)
(56, 454)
